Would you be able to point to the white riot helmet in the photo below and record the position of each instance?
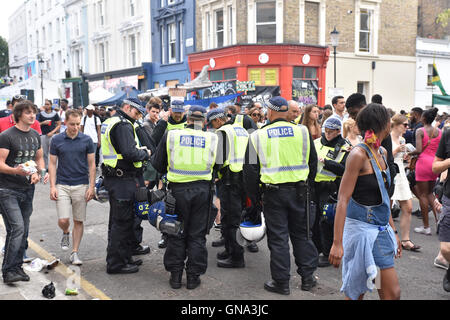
(249, 232)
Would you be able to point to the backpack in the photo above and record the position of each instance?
(84, 122)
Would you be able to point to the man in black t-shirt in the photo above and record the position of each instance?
(50, 125)
(21, 167)
(441, 163)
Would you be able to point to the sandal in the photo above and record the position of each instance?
(414, 248)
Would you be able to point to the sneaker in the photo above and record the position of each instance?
(446, 282)
(75, 260)
(440, 264)
(426, 231)
(65, 241)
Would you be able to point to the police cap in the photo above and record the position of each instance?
(215, 114)
(278, 104)
(135, 103)
(197, 112)
(333, 123)
(177, 106)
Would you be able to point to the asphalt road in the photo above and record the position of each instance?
(419, 279)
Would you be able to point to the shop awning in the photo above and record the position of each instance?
(441, 100)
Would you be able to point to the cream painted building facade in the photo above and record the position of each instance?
(119, 34)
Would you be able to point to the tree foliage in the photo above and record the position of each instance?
(443, 17)
(4, 57)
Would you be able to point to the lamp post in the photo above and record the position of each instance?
(334, 43)
(41, 67)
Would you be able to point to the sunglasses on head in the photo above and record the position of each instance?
(19, 97)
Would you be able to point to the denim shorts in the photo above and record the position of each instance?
(384, 250)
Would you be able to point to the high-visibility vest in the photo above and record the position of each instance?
(110, 155)
(191, 155)
(237, 138)
(325, 152)
(283, 150)
(174, 126)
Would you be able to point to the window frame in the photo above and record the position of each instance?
(265, 23)
(172, 32)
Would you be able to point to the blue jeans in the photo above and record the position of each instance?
(16, 207)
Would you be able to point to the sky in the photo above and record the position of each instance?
(6, 10)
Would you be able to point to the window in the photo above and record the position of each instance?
(101, 13)
(219, 29)
(133, 50)
(363, 88)
(305, 73)
(58, 30)
(266, 25)
(365, 30)
(50, 33)
(44, 38)
(221, 75)
(430, 76)
(181, 41)
(230, 25)
(163, 46)
(132, 7)
(102, 56)
(208, 31)
(172, 43)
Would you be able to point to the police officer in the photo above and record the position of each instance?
(332, 151)
(122, 171)
(188, 156)
(177, 118)
(233, 141)
(286, 160)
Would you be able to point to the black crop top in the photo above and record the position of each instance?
(367, 192)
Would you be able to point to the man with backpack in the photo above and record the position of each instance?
(91, 125)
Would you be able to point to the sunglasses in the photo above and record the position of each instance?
(20, 97)
(256, 115)
(405, 124)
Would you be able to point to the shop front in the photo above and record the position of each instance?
(258, 72)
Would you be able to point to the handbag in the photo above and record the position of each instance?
(413, 161)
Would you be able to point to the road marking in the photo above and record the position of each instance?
(61, 268)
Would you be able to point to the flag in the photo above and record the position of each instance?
(436, 80)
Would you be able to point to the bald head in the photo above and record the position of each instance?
(294, 110)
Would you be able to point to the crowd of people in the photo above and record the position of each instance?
(329, 179)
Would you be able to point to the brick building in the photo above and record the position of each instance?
(376, 51)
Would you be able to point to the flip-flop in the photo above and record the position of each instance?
(414, 248)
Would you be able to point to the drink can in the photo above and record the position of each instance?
(72, 292)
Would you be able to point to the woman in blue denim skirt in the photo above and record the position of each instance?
(365, 239)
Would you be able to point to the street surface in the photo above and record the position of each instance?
(419, 278)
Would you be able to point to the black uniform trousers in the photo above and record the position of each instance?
(231, 212)
(193, 202)
(285, 216)
(122, 221)
(323, 230)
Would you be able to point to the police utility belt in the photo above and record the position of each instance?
(301, 187)
(119, 173)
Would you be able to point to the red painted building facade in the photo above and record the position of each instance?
(294, 71)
